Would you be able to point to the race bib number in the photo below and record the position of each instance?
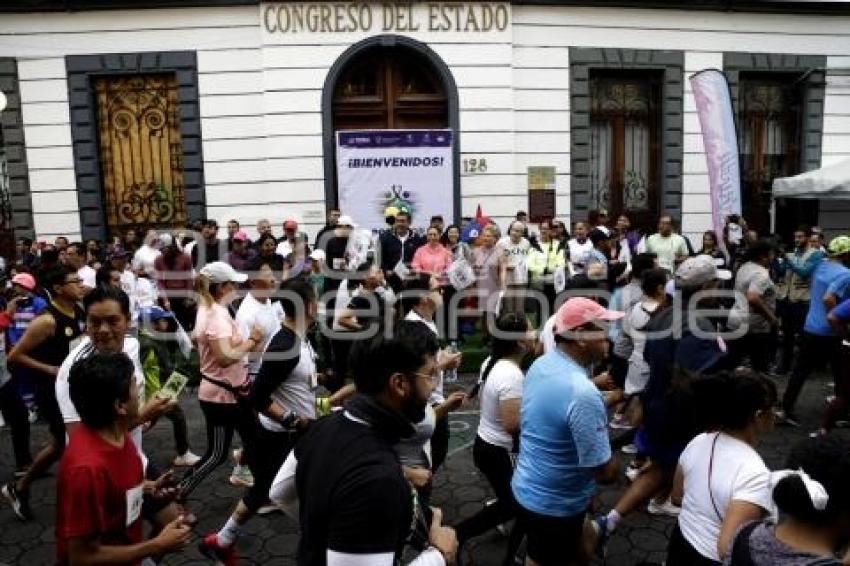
(134, 504)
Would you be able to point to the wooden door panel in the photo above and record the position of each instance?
(389, 89)
(140, 151)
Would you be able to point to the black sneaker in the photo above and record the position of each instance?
(20, 502)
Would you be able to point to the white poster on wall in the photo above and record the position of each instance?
(380, 172)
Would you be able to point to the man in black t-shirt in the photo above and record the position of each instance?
(367, 308)
(208, 248)
(42, 349)
(333, 218)
(354, 504)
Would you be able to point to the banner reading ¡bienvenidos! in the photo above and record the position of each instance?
(407, 170)
(714, 107)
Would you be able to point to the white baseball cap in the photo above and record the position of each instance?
(346, 220)
(699, 270)
(220, 272)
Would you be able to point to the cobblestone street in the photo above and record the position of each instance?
(459, 491)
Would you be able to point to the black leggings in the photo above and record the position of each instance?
(495, 463)
(759, 346)
(272, 448)
(680, 551)
(181, 431)
(48, 409)
(222, 420)
(440, 443)
(813, 348)
(17, 417)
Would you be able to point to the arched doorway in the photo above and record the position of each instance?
(387, 82)
(389, 89)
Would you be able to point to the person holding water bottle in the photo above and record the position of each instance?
(420, 300)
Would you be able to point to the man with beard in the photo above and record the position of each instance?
(208, 248)
(333, 217)
(355, 505)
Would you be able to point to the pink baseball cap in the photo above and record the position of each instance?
(290, 224)
(580, 310)
(240, 236)
(25, 280)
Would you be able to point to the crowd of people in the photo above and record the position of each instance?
(334, 363)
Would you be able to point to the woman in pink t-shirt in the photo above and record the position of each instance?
(432, 258)
(224, 373)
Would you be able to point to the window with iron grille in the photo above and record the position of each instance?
(769, 115)
(625, 116)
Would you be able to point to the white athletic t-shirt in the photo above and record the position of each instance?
(579, 252)
(547, 335)
(437, 396)
(83, 350)
(738, 473)
(253, 313)
(88, 276)
(503, 383)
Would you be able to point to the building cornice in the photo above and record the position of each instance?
(763, 6)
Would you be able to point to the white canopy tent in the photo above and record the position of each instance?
(826, 183)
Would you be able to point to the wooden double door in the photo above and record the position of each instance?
(141, 152)
(390, 88)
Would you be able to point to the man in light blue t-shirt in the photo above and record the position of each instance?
(564, 448)
(830, 286)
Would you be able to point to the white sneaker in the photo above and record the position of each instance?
(632, 472)
(629, 449)
(268, 509)
(186, 460)
(666, 508)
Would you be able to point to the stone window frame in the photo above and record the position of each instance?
(12, 124)
(81, 70)
(672, 66)
(813, 71)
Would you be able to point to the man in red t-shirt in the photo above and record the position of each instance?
(101, 479)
